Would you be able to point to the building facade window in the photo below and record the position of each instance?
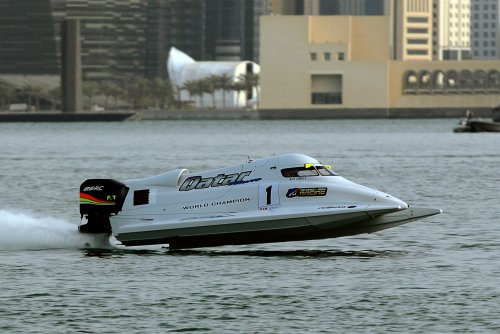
(417, 20)
(451, 81)
(326, 98)
(417, 41)
(313, 56)
(326, 89)
(416, 52)
(327, 56)
(417, 30)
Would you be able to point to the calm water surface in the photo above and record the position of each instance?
(438, 275)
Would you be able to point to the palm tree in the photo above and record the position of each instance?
(192, 87)
(111, 89)
(140, 93)
(162, 93)
(33, 92)
(90, 89)
(115, 91)
(203, 88)
(224, 83)
(177, 90)
(54, 95)
(144, 97)
(106, 88)
(238, 87)
(210, 86)
(251, 80)
(168, 97)
(7, 93)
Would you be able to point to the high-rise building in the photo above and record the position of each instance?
(184, 27)
(412, 21)
(353, 7)
(330, 7)
(215, 29)
(127, 38)
(294, 7)
(113, 36)
(485, 36)
(451, 36)
(230, 30)
(27, 38)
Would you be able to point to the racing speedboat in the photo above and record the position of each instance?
(280, 198)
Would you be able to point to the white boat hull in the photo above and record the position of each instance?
(234, 231)
(257, 202)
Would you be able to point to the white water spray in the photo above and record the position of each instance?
(20, 231)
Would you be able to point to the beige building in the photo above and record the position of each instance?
(413, 29)
(346, 62)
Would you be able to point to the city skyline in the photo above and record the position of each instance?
(123, 38)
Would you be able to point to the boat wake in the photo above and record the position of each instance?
(19, 231)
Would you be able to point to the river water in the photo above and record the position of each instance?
(437, 275)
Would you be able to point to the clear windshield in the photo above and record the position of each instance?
(299, 172)
(307, 171)
(325, 171)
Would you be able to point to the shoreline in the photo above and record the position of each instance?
(238, 114)
(34, 116)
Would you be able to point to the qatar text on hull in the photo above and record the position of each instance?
(280, 198)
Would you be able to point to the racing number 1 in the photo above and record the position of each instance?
(268, 196)
(268, 193)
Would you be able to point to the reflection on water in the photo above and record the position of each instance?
(281, 253)
(299, 253)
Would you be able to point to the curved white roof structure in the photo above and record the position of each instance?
(176, 62)
(182, 68)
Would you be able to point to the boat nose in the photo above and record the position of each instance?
(383, 198)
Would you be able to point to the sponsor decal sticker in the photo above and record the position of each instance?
(197, 182)
(216, 203)
(337, 207)
(306, 192)
(88, 199)
(93, 188)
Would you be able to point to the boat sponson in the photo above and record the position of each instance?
(178, 239)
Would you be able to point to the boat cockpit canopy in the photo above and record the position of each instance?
(308, 170)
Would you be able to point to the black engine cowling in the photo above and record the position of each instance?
(99, 199)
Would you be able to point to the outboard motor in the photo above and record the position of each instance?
(99, 199)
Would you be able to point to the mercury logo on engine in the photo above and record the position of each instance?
(93, 188)
(197, 182)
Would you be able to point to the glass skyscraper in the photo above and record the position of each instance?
(127, 38)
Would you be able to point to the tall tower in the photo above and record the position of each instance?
(71, 73)
(330, 7)
(412, 29)
(452, 30)
(214, 29)
(28, 38)
(485, 36)
(295, 7)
